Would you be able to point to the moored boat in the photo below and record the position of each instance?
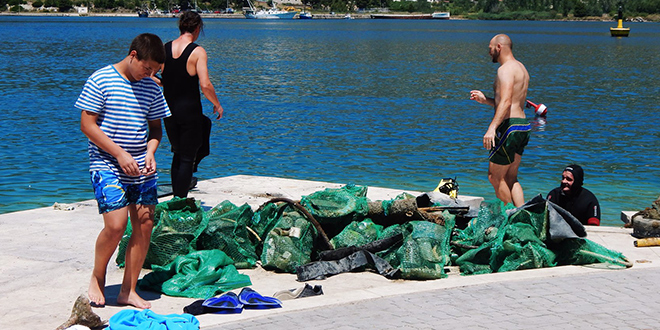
(401, 16)
(305, 15)
(270, 13)
(440, 15)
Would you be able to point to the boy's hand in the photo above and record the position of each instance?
(128, 164)
(149, 165)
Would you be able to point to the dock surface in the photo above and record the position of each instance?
(47, 258)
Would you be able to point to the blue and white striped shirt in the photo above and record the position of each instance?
(124, 109)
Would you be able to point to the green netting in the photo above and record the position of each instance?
(290, 242)
(522, 245)
(501, 238)
(199, 274)
(536, 216)
(182, 226)
(581, 251)
(389, 254)
(483, 233)
(227, 230)
(357, 233)
(505, 243)
(493, 242)
(527, 256)
(334, 209)
(485, 227)
(265, 219)
(425, 250)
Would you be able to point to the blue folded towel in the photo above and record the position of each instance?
(130, 319)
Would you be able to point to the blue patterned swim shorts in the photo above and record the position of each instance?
(112, 195)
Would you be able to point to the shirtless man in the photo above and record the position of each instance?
(508, 132)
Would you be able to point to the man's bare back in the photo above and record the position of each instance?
(515, 71)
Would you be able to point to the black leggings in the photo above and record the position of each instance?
(186, 138)
(182, 172)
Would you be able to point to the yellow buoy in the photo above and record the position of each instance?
(619, 30)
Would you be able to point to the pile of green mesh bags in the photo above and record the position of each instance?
(283, 235)
(503, 238)
(181, 226)
(423, 251)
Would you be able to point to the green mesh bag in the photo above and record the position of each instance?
(521, 248)
(199, 274)
(483, 233)
(177, 224)
(522, 242)
(290, 243)
(528, 256)
(356, 234)
(468, 268)
(506, 243)
(536, 216)
(265, 219)
(389, 254)
(425, 250)
(490, 221)
(227, 230)
(335, 208)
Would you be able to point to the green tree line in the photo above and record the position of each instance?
(477, 9)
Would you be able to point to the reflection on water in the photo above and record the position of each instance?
(538, 123)
(378, 103)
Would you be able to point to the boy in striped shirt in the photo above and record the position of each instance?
(121, 111)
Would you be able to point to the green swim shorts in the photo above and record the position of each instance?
(511, 138)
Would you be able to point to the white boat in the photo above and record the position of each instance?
(440, 15)
(270, 13)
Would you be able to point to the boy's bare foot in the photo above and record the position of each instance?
(96, 292)
(132, 299)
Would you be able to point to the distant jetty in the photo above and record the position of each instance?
(438, 15)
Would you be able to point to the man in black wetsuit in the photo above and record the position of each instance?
(572, 197)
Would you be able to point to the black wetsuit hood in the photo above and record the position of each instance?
(578, 177)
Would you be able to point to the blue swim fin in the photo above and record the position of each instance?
(251, 299)
(227, 303)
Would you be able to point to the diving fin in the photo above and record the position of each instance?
(252, 299)
(227, 303)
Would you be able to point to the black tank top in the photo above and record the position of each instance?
(180, 89)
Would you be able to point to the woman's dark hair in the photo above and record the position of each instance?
(189, 21)
(148, 47)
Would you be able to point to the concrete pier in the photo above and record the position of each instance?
(46, 259)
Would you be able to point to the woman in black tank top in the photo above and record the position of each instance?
(188, 130)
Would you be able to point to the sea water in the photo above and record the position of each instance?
(370, 102)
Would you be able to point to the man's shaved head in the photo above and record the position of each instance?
(499, 43)
(503, 40)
